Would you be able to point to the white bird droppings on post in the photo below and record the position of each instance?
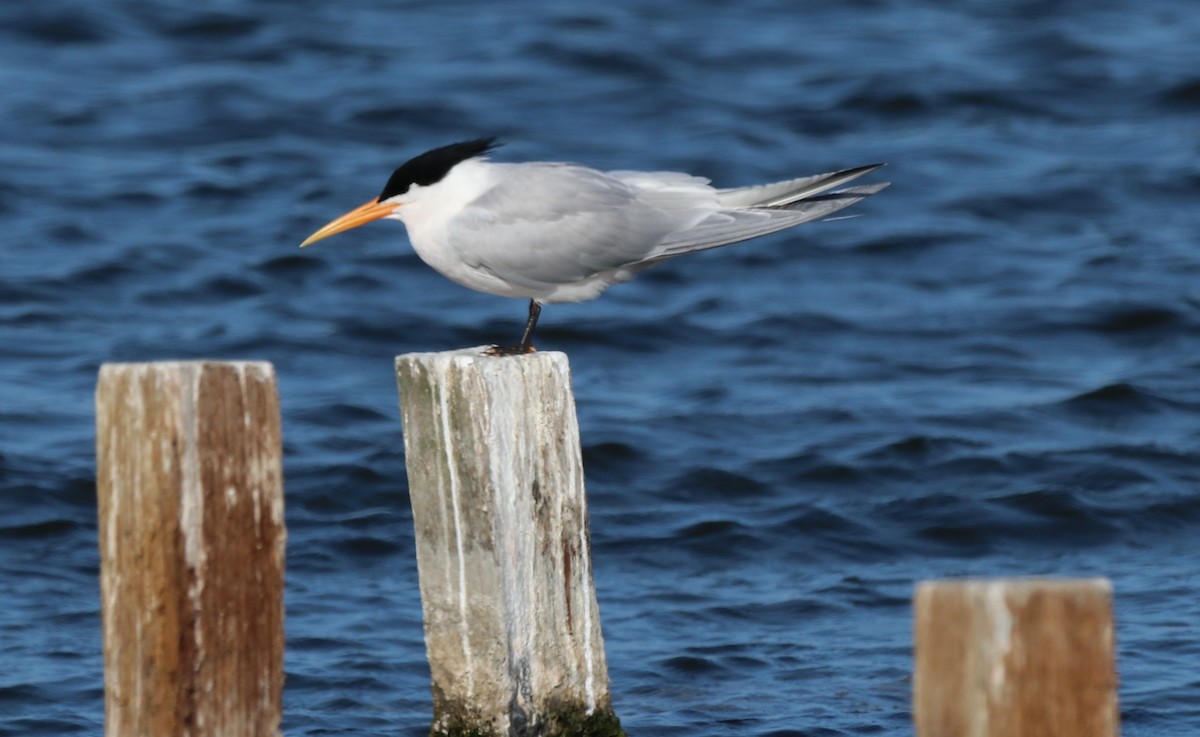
(464, 623)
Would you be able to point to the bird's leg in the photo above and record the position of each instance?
(535, 310)
(525, 346)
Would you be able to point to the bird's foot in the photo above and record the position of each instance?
(526, 344)
(510, 350)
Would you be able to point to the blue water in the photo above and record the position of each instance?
(992, 371)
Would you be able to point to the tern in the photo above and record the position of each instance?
(559, 232)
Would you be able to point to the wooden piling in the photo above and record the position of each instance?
(496, 480)
(191, 548)
(1015, 658)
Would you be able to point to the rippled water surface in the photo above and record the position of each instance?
(992, 371)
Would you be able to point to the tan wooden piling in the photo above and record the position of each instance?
(1015, 658)
(191, 549)
(496, 479)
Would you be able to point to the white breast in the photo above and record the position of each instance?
(427, 213)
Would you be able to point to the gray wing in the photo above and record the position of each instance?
(548, 224)
(731, 226)
(552, 224)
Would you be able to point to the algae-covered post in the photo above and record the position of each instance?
(1015, 658)
(496, 480)
(190, 495)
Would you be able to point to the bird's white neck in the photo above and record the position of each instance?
(427, 211)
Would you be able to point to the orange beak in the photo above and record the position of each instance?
(358, 216)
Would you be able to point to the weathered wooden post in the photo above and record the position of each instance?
(1015, 658)
(191, 548)
(496, 479)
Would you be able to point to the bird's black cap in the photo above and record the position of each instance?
(431, 166)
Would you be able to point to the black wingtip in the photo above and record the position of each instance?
(431, 166)
(868, 168)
